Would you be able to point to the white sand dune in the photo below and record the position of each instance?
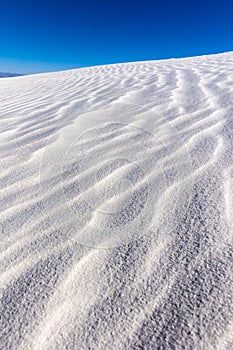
(116, 207)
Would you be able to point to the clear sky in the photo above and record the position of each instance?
(49, 35)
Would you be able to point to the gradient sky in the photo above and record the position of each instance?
(49, 35)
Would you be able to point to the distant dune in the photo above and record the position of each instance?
(7, 75)
(116, 207)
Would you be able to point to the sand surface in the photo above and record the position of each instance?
(116, 203)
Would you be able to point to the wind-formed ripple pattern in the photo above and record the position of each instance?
(116, 207)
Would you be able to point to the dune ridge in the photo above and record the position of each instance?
(116, 207)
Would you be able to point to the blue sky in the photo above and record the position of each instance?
(49, 35)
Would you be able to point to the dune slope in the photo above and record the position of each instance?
(116, 207)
